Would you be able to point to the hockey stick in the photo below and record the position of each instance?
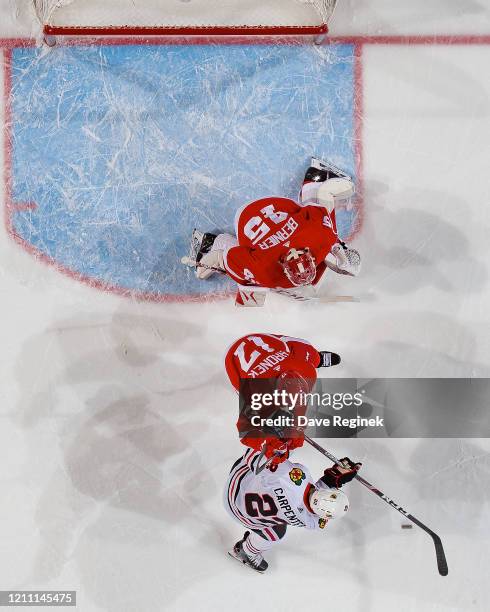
(337, 298)
(192, 263)
(261, 467)
(315, 298)
(440, 555)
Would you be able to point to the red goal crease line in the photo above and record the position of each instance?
(248, 37)
(358, 41)
(12, 206)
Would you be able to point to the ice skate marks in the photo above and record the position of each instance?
(120, 151)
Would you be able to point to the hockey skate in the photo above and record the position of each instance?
(326, 170)
(200, 243)
(256, 562)
(328, 359)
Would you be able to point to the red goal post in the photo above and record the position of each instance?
(184, 17)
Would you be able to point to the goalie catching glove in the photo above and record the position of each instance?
(338, 475)
(347, 261)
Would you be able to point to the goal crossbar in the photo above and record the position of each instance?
(184, 17)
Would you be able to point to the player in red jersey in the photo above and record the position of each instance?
(281, 244)
(288, 363)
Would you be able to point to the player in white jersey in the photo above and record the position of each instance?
(282, 494)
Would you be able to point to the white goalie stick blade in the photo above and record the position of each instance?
(257, 298)
(313, 296)
(333, 299)
(249, 297)
(301, 294)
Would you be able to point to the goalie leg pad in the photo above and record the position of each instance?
(335, 190)
(209, 263)
(328, 193)
(224, 242)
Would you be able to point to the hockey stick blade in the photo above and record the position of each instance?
(440, 554)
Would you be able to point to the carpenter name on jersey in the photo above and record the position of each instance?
(271, 497)
(284, 503)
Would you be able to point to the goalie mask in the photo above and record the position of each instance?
(299, 266)
(329, 503)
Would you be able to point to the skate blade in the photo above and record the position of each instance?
(233, 556)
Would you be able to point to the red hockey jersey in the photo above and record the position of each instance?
(266, 229)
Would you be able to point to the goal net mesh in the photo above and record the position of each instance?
(120, 15)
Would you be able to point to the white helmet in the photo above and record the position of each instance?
(329, 503)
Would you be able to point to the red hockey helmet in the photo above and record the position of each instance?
(293, 382)
(299, 266)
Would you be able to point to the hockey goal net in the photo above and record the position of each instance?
(184, 17)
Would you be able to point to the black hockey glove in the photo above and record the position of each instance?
(339, 475)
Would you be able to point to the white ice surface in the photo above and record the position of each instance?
(117, 421)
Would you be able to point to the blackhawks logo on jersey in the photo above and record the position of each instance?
(297, 476)
(322, 523)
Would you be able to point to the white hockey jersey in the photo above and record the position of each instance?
(271, 498)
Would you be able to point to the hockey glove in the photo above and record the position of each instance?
(338, 475)
(348, 261)
(279, 448)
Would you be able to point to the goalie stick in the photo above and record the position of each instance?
(440, 554)
(192, 263)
